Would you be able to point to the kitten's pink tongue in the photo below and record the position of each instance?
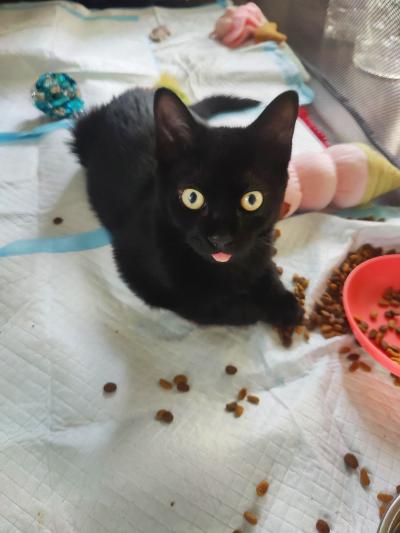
(220, 257)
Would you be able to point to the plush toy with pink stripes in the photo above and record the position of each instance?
(342, 176)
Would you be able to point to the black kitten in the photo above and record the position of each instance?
(191, 208)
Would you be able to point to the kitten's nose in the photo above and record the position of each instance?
(219, 241)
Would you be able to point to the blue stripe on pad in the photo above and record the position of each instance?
(34, 133)
(58, 245)
(71, 11)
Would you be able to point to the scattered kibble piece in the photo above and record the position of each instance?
(242, 394)
(286, 333)
(392, 324)
(355, 365)
(364, 477)
(109, 388)
(230, 369)
(373, 315)
(250, 518)
(344, 349)
(182, 387)
(164, 416)
(372, 334)
(262, 488)
(322, 526)
(160, 414)
(277, 233)
(382, 510)
(231, 407)
(364, 366)
(180, 378)
(351, 460)
(239, 410)
(253, 399)
(384, 497)
(57, 221)
(353, 357)
(167, 385)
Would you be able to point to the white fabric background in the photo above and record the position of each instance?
(74, 461)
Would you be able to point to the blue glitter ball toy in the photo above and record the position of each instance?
(57, 95)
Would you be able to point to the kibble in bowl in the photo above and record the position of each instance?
(373, 288)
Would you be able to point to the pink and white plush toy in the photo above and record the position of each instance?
(343, 175)
(238, 24)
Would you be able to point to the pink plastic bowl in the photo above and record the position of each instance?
(361, 293)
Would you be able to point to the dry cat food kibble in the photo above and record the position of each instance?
(164, 416)
(182, 387)
(230, 369)
(364, 366)
(242, 394)
(344, 349)
(253, 399)
(322, 527)
(286, 333)
(262, 488)
(351, 460)
(355, 365)
(239, 411)
(390, 299)
(353, 357)
(109, 388)
(57, 221)
(364, 477)
(329, 311)
(167, 385)
(231, 407)
(250, 518)
(382, 510)
(384, 497)
(180, 378)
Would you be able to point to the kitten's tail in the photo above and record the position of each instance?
(213, 105)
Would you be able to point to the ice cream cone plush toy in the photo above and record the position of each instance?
(240, 23)
(343, 175)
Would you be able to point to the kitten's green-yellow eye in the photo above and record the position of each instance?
(251, 201)
(192, 199)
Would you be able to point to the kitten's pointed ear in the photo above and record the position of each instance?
(175, 125)
(275, 126)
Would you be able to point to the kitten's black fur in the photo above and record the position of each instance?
(141, 151)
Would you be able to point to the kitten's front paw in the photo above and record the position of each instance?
(287, 311)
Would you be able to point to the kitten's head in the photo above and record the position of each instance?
(223, 187)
